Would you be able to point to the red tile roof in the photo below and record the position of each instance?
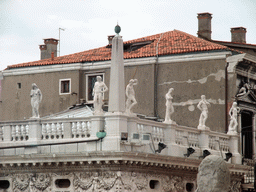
(168, 43)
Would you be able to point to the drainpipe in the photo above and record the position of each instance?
(226, 97)
(155, 79)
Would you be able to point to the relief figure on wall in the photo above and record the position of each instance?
(36, 98)
(98, 90)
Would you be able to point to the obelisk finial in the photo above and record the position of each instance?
(117, 29)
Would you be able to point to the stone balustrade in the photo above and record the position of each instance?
(143, 136)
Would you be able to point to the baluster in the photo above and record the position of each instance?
(54, 130)
(79, 129)
(161, 135)
(74, 130)
(48, 131)
(84, 127)
(58, 130)
(88, 132)
(13, 133)
(62, 130)
(27, 132)
(1, 134)
(23, 132)
(157, 134)
(44, 131)
(18, 133)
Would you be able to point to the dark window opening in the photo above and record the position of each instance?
(62, 183)
(65, 86)
(154, 184)
(19, 85)
(189, 187)
(247, 147)
(4, 184)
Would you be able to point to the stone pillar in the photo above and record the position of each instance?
(169, 138)
(67, 130)
(239, 130)
(97, 124)
(7, 133)
(115, 124)
(253, 135)
(204, 139)
(233, 147)
(117, 86)
(35, 130)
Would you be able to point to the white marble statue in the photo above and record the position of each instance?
(130, 94)
(169, 107)
(36, 98)
(232, 128)
(213, 175)
(203, 106)
(98, 90)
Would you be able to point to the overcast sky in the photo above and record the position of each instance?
(87, 23)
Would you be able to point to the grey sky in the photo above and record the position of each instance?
(87, 23)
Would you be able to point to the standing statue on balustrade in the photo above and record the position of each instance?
(232, 128)
(169, 107)
(203, 106)
(98, 90)
(36, 98)
(130, 94)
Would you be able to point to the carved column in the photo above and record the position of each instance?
(253, 135)
(239, 130)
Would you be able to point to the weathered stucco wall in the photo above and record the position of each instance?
(190, 80)
(16, 101)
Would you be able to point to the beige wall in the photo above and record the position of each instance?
(16, 102)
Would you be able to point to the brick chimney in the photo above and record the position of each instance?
(110, 37)
(238, 35)
(50, 45)
(204, 25)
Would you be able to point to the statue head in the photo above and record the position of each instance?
(170, 90)
(34, 86)
(203, 97)
(99, 78)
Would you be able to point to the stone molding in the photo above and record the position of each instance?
(106, 64)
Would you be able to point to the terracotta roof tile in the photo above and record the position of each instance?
(168, 43)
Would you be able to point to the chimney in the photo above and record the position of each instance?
(110, 37)
(50, 45)
(204, 25)
(238, 35)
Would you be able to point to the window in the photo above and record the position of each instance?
(62, 183)
(90, 81)
(19, 85)
(65, 86)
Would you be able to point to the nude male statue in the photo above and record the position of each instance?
(98, 90)
(232, 128)
(130, 93)
(36, 98)
(203, 106)
(169, 107)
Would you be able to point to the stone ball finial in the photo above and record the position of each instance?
(213, 175)
(117, 29)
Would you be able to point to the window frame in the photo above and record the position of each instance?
(87, 85)
(60, 84)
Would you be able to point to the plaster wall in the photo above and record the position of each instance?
(16, 101)
(190, 80)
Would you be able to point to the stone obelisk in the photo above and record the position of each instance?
(117, 86)
(115, 119)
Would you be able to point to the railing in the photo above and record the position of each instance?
(177, 138)
(249, 177)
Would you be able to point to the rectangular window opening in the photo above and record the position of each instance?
(65, 86)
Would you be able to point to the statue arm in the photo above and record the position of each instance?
(41, 96)
(199, 105)
(105, 88)
(135, 82)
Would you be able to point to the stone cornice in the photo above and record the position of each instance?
(108, 159)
